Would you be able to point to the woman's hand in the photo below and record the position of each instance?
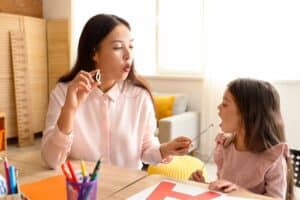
(224, 139)
(79, 89)
(223, 186)
(197, 176)
(178, 146)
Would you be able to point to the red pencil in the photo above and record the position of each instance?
(63, 168)
(73, 175)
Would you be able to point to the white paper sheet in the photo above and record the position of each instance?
(183, 189)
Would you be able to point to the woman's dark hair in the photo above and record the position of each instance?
(259, 106)
(93, 33)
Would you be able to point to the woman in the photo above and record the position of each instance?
(113, 118)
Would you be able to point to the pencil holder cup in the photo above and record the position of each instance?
(17, 196)
(82, 190)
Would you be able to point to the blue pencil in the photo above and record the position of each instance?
(13, 181)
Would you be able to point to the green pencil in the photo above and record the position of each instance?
(94, 174)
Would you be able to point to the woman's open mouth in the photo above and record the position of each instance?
(126, 68)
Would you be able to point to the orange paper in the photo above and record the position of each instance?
(49, 188)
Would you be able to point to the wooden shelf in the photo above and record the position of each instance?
(34, 30)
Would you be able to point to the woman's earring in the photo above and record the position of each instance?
(97, 76)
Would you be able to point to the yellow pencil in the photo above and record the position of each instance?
(83, 168)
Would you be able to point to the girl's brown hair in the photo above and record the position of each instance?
(259, 106)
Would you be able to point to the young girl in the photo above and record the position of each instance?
(257, 159)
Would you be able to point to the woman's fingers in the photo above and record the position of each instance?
(180, 145)
(183, 142)
(182, 151)
(82, 78)
(87, 78)
(88, 75)
(82, 86)
(183, 139)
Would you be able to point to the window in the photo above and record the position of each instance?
(168, 35)
(257, 38)
(180, 44)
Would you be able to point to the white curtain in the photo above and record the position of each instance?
(212, 95)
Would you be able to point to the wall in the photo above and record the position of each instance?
(289, 92)
(56, 9)
(31, 8)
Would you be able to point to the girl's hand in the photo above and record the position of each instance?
(178, 146)
(79, 89)
(197, 176)
(223, 186)
(224, 139)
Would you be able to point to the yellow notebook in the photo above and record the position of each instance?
(49, 188)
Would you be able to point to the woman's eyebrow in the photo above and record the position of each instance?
(121, 41)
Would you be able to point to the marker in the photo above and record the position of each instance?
(94, 174)
(63, 168)
(73, 175)
(13, 181)
(6, 166)
(84, 180)
(93, 177)
(83, 169)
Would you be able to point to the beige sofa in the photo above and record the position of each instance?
(183, 122)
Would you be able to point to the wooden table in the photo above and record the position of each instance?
(154, 179)
(114, 183)
(32, 168)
